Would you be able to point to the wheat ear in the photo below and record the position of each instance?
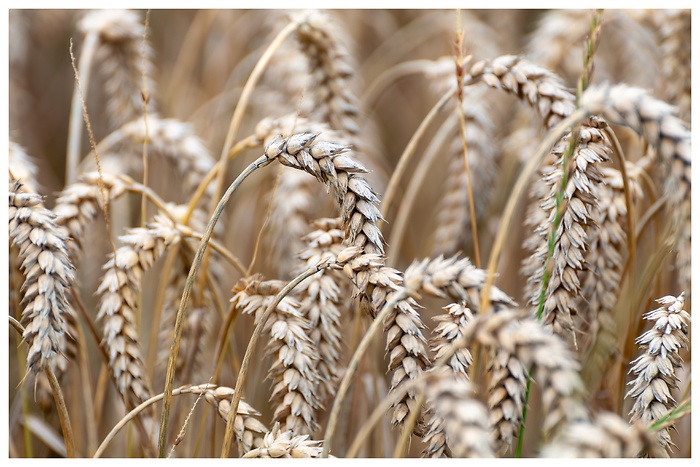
(606, 254)
(657, 123)
(609, 436)
(120, 34)
(655, 367)
(674, 42)
(539, 352)
(294, 367)
(578, 215)
(331, 98)
(449, 330)
(49, 273)
(284, 444)
(321, 300)
(462, 417)
(294, 203)
(119, 291)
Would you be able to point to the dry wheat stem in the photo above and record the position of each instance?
(260, 162)
(88, 125)
(75, 124)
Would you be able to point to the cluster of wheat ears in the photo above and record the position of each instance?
(362, 233)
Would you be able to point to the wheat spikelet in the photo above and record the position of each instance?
(571, 240)
(449, 329)
(48, 271)
(460, 415)
(608, 436)
(118, 300)
(294, 367)
(120, 35)
(655, 367)
(249, 431)
(284, 444)
(456, 278)
(321, 300)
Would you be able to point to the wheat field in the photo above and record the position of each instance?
(366, 233)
